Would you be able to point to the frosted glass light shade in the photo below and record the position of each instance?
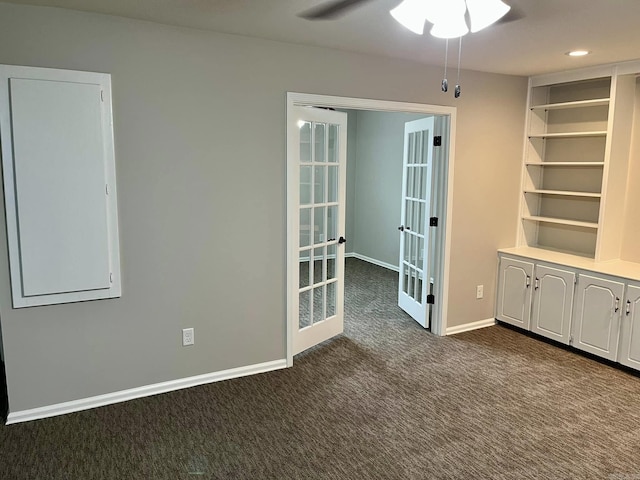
(450, 28)
(449, 21)
(435, 10)
(448, 16)
(485, 12)
(411, 14)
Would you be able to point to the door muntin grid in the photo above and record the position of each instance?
(319, 215)
(416, 204)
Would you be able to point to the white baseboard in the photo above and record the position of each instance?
(471, 326)
(146, 391)
(373, 260)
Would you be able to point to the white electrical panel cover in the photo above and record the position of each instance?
(59, 185)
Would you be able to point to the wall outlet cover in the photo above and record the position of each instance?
(187, 337)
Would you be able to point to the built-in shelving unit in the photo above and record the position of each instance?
(569, 155)
(574, 274)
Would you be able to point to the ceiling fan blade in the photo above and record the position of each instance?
(512, 15)
(331, 10)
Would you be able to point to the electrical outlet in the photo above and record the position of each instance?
(188, 337)
(479, 291)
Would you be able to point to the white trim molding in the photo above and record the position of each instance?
(139, 392)
(379, 263)
(489, 322)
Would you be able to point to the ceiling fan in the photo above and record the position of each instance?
(331, 9)
(451, 19)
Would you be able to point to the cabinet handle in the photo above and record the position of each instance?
(528, 284)
(537, 284)
(628, 309)
(617, 304)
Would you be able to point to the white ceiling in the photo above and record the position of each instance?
(532, 45)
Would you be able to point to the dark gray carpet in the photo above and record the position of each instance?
(386, 400)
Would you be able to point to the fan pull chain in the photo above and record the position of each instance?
(456, 92)
(445, 82)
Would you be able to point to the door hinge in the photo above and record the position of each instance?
(437, 141)
(570, 339)
(433, 222)
(106, 189)
(431, 299)
(102, 95)
(110, 277)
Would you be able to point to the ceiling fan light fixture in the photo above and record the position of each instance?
(449, 16)
(483, 13)
(450, 28)
(435, 11)
(411, 14)
(448, 19)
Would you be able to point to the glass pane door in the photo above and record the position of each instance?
(414, 235)
(321, 163)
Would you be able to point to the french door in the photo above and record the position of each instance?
(317, 157)
(414, 284)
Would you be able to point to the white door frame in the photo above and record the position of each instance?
(439, 323)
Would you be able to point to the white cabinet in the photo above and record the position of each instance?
(552, 302)
(536, 297)
(59, 185)
(629, 353)
(514, 292)
(596, 322)
(570, 306)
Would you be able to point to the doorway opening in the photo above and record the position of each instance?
(378, 116)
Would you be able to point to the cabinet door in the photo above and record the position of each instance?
(597, 316)
(552, 302)
(514, 292)
(630, 329)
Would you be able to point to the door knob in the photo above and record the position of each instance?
(342, 240)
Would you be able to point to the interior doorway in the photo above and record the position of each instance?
(443, 119)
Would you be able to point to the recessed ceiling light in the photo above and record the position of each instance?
(578, 53)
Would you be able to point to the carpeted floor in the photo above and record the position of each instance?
(386, 400)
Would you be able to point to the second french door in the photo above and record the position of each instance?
(414, 284)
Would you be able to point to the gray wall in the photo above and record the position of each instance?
(378, 189)
(200, 132)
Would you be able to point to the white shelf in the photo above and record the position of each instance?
(566, 164)
(596, 102)
(566, 193)
(598, 133)
(562, 221)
